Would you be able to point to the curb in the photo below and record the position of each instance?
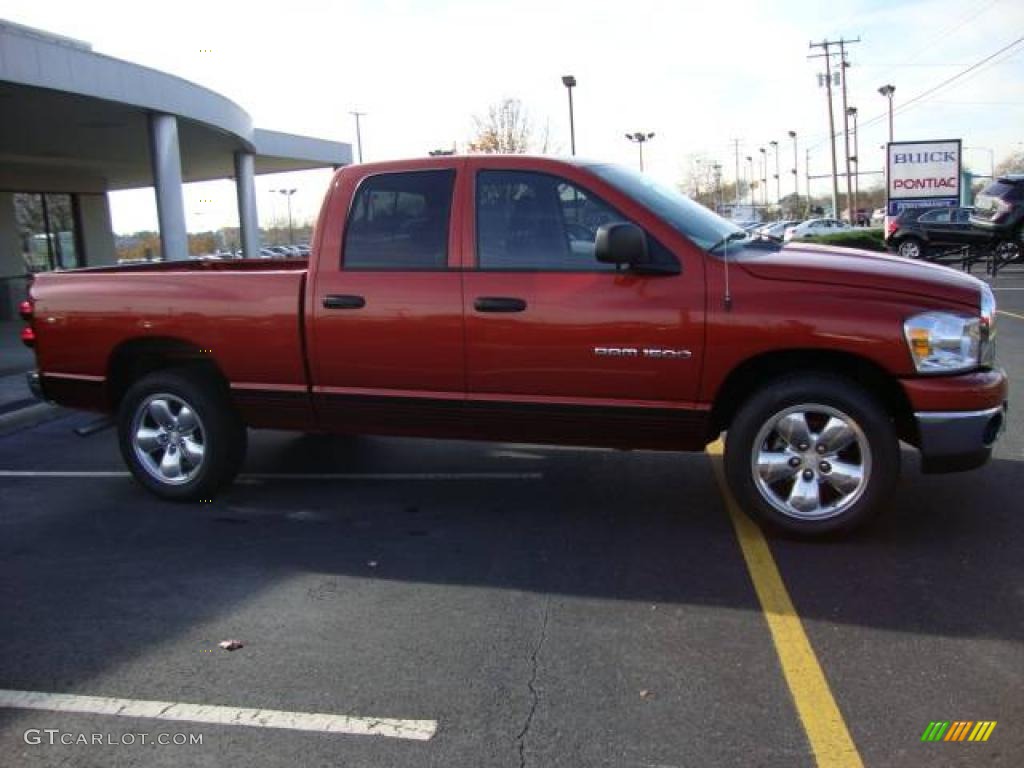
(29, 417)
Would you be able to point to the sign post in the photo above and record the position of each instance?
(922, 174)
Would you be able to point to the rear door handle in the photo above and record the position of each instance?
(498, 304)
(338, 301)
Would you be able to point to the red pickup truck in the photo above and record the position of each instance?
(546, 301)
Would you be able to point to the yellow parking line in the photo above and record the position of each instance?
(1009, 314)
(819, 714)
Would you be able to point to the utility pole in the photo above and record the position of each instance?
(359, 135)
(827, 55)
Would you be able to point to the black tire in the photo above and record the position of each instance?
(910, 248)
(816, 398)
(218, 431)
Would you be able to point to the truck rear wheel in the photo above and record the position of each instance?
(179, 435)
(812, 455)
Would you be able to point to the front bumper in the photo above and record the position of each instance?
(953, 441)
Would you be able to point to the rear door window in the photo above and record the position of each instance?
(399, 221)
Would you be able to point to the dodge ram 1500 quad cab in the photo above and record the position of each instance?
(538, 300)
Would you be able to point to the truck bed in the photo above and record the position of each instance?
(245, 316)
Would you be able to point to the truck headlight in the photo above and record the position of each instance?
(943, 342)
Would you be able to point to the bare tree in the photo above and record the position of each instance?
(1012, 164)
(505, 129)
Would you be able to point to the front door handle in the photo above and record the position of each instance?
(498, 304)
(338, 301)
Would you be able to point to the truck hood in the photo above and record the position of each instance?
(809, 263)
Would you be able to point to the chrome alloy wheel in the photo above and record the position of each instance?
(811, 462)
(910, 249)
(168, 439)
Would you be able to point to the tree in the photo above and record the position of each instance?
(1012, 164)
(505, 129)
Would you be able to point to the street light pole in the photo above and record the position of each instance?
(855, 159)
(359, 135)
(778, 183)
(288, 194)
(764, 176)
(796, 178)
(750, 182)
(888, 91)
(570, 82)
(640, 138)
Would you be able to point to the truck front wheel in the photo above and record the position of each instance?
(812, 455)
(179, 435)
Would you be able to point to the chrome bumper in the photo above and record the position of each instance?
(957, 440)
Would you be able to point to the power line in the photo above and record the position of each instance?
(906, 104)
(921, 96)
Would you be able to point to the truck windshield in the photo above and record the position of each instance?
(705, 228)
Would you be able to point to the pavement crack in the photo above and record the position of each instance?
(531, 684)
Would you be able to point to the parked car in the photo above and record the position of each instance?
(530, 299)
(878, 217)
(776, 229)
(935, 230)
(815, 227)
(999, 211)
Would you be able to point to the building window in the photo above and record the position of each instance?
(49, 231)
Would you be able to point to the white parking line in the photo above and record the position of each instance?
(416, 730)
(304, 476)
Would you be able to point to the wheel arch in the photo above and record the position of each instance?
(754, 373)
(133, 359)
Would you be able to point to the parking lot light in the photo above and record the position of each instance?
(888, 91)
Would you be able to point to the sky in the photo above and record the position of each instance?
(696, 74)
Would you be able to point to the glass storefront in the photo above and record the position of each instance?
(48, 231)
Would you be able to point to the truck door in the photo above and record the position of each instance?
(560, 347)
(386, 329)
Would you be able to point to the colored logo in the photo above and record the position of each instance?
(958, 730)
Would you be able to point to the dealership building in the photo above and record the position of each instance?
(77, 124)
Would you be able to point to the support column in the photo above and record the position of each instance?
(170, 202)
(248, 219)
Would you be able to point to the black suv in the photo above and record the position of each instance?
(915, 235)
(999, 210)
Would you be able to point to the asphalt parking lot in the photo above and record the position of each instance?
(518, 605)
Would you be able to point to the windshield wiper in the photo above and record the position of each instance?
(731, 238)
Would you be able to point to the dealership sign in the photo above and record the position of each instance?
(922, 174)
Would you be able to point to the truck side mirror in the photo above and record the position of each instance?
(621, 243)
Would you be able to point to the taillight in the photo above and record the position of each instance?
(26, 310)
(891, 225)
(28, 336)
